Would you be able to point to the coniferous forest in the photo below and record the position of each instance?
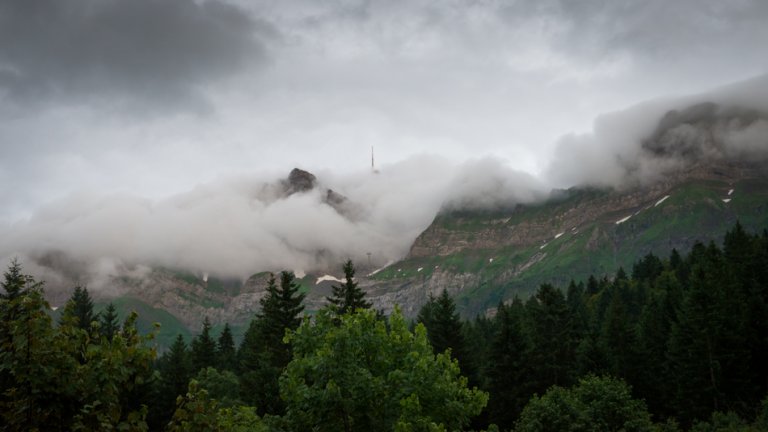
(675, 343)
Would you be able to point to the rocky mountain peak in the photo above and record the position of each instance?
(300, 181)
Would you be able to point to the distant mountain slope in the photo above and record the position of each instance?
(484, 257)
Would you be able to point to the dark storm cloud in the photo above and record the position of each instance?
(156, 51)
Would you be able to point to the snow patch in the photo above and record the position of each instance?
(205, 277)
(53, 308)
(490, 260)
(543, 246)
(727, 200)
(621, 221)
(325, 278)
(299, 273)
(661, 201)
(730, 192)
(558, 235)
(389, 263)
(419, 269)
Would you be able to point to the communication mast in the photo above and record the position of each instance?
(373, 166)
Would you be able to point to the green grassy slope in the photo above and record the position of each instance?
(694, 211)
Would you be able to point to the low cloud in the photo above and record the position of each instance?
(236, 227)
(641, 144)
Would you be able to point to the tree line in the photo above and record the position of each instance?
(679, 344)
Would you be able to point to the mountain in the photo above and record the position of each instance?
(694, 175)
(485, 257)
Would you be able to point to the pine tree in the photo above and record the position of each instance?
(552, 346)
(707, 349)
(203, 348)
(348, 296)
(445, 331)
(175, 369)
(263, 355)
(618, 338)
(659, 314)
(225, 350)
(508, 387)
(82, 308)
(15, 283)
(109, 322)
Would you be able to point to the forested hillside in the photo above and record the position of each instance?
(673, 343)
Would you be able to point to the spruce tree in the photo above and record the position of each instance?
(203, 348)
(82, 308)
(15, 283)
(263, 355)
(507, 374)
(225, 350)
(348, 296)
(707, 349)
(552, 345)
(175, 369)
(444, 330)
(109, 322)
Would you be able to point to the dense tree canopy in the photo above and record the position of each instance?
(364, 374)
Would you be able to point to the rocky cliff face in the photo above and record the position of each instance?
(482, 258)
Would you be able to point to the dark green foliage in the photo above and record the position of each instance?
(357, 373)
(445, 331)
(551, 346)
(204, 348)
(225, 350)
(220, 385)
(594, 404)
(618, 339)
(263, 354)
(197, 411)
(508, 367)
(108, 321)
(348, 297)
(80, 306)
(175, 368)
(647, 269)
(709, 357)
(59, 378)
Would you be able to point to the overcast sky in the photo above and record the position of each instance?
(152, 97)
(143, 131)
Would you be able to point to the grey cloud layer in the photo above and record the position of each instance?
(642, 143)
(154, 52)
(237, 227)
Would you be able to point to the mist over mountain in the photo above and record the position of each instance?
(235, 227)
(312, 221)
(641, 144)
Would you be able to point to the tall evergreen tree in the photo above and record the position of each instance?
(175, 367)
(348, 296)
(203, 348)
(709, 357)
(618, 339)
(225, 350)
(81, 308)
(552, 346)
(445, 331)
(15, 282)
(109, 322)
(654, 380)
(507, 374)
(263, 354)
